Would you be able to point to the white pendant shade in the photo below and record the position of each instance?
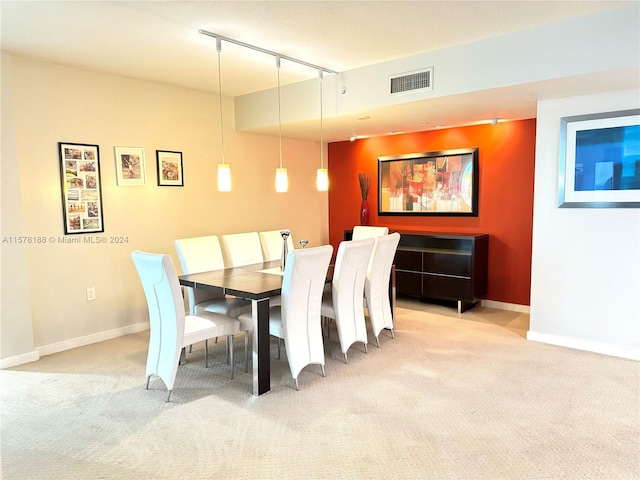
(282, 182)
(322, 180)
(224, 177)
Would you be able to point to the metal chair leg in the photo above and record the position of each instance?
(345, 357)
(206, 354)
(393, 333)
(183, 356)
(230, 343)
(322, 366)
(365, 348)
(297, 387)
(279, 339)
(148, 378)
(168, 396)
(377, 342)
(246, 352)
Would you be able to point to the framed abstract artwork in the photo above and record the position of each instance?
(441, 183)
(599, 163)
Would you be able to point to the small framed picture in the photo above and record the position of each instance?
(169, 168)
(130, 166)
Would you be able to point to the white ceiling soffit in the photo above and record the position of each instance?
(159, 41)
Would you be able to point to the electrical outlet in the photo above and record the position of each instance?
(91, 293)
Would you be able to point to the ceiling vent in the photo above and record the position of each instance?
(411, 82)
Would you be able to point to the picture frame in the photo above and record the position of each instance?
(440, 183)
(81, 188)
(170, 172)
(599, 163)
(130, 166)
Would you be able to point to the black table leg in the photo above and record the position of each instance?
(261, 354)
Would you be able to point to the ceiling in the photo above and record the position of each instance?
(160, 41)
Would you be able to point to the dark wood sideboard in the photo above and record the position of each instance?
(441, 266)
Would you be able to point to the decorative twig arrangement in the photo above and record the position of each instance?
(365, 184)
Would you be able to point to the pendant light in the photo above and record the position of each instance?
(282, 182)
(224, 169)
(322, 176)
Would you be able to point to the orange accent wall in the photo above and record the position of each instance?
(505, 200)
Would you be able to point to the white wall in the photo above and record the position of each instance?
(16, 332)
(585, 285)
(55, 103)
(611, 38)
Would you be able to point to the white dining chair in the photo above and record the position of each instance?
(242, 249)
(376, 285)
(271, 243)
(170, 330)
(297, 320)
(366, 231)
(343, 302)
(203, 254)
(245, 249)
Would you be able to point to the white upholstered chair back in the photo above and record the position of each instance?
(344, 303)
(271, 243)
(304, 278)
(242, 249)
(376, 287)
(166, 313)
(364, 231)
(199, 254)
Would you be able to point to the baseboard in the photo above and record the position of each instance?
(586, 345)
(512, 307)
(89, 339)
(16, 360)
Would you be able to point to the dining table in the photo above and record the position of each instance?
(256, 282)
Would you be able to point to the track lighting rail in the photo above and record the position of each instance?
(268, 52)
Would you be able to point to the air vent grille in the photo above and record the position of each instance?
(411, 82)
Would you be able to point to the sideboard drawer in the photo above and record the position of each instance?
(453, 264)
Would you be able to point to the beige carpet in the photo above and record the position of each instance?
(452, 397)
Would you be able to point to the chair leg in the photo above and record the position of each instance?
(246, 351)
(168, 396)
(148, 378)
(230, 344)
(345, 357)
(322, 366)
(377, 342)
(365, 348)
(206, 354)
(392, 333)
(279, 348)
(297, 386)
(183, 356)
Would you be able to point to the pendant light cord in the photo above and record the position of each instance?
(279, 117)
(219, 48)
(321, 149)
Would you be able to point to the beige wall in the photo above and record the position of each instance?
(16, 334)
(55, 103)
